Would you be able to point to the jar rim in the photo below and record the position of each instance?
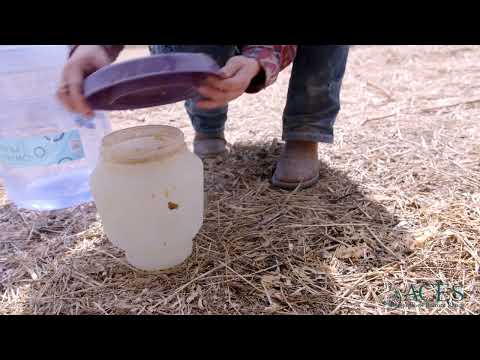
(141, 144)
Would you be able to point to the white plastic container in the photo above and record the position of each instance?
(46, 153)
(148, 188)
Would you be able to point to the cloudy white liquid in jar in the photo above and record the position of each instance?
(148, 188)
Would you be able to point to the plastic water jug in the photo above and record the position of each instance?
(148, 188)
(46, 153)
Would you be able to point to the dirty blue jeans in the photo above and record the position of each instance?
(313, 99)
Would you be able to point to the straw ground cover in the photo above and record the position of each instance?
(397, 207)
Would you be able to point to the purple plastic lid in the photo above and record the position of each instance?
(150, 81)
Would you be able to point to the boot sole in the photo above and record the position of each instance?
(211, 155)
(293, 185)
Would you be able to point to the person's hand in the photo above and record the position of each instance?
(85, 60)
(233, 80)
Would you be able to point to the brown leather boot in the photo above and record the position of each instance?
(298, 165)
(206, 146)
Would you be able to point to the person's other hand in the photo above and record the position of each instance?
(232, 82)
(85, 60)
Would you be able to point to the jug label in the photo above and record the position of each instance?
(42, 150)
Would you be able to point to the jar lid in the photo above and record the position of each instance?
(149, 81)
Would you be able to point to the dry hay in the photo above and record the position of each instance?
(397, 204)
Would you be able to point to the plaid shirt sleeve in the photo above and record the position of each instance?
(272, 59)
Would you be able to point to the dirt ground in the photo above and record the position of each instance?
(397, 208)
